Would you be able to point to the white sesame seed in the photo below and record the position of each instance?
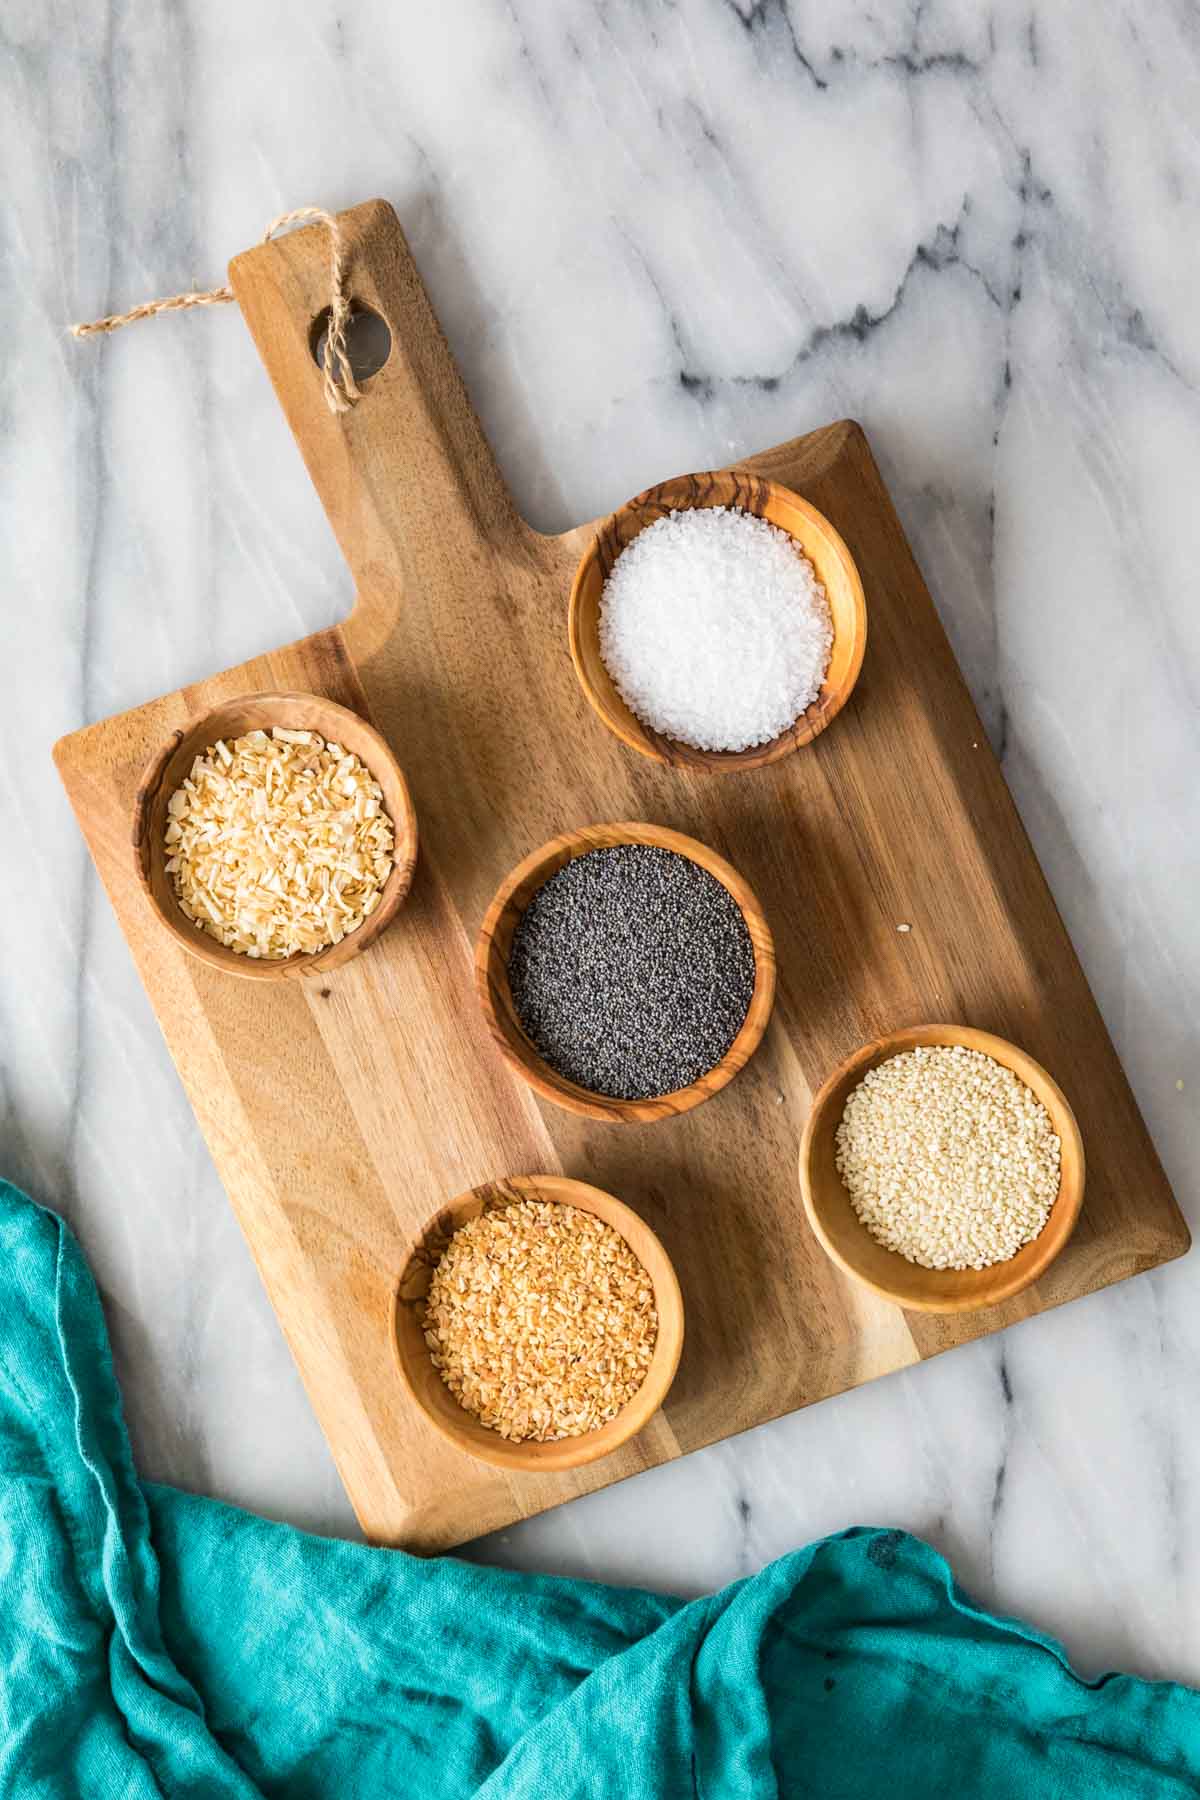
(948, 1158)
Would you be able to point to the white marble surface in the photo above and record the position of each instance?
(658, 235)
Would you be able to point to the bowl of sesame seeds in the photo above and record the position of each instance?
(717, 622)
(275, 836)
(942, 1167)
(538, 1323)
(626, 972)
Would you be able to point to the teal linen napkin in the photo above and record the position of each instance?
(157, 1644)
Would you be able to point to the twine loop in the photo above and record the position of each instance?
(341, 389)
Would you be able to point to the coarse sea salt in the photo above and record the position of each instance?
(715, 629)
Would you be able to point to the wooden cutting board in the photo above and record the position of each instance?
(342, 1112)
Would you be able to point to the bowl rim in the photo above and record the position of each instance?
(491, 972)
(675, 494)
(302, 963)
(1064, 1212)
(556, 1453)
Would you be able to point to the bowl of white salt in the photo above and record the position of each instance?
(717, 622)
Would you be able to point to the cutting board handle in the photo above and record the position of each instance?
(412, 446)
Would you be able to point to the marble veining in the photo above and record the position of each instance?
(659, 234)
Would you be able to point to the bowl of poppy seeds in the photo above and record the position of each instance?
(626, 972)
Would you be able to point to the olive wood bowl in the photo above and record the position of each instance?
(432, 1395)
(848, 1242)
(819, 541)
(251, 712)
(491, 974)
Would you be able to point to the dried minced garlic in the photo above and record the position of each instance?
(278, 843)
(540, 1320)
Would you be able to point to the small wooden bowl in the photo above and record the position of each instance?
(434, 1397)
(491, 974)
(252, 712)
(819, 541)
(886, 1272)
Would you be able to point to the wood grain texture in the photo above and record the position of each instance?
(342, 1114)
(884, 1271)
(821, 543)
(432, 1395)
(491, 973)
(172, 760)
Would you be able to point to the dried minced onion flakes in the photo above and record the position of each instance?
(278, 843)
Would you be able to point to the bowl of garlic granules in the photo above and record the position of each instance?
(538, 1323)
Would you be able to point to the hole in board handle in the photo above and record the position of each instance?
(367, 339)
